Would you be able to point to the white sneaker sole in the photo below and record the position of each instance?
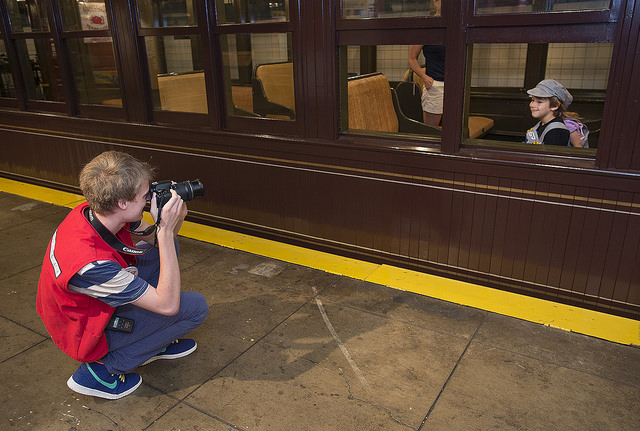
(175, 356)
(96, 393)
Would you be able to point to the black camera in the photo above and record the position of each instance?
(187, 190)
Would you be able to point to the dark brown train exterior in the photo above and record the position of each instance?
(556, 224)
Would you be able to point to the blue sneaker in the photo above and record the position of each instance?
(95, 380)
(175, 350)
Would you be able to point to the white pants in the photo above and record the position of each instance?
(433, 98)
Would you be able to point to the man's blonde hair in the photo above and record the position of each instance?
(110, 177)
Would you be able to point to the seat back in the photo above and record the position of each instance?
(242, 97)
(479, 126)
(185, 92)
(409, 92)
(277, 83)
(409, 95)
(370, 104)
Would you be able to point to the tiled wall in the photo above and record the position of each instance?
(392, 60)
(580, 65)
(265, 48)
(576, 65)
(178, 54)
(498, 65)
(269, 48)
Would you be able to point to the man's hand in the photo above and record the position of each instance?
(165, 297)
(173, 214)
(154, 208)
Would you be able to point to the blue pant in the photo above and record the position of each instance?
(152, 332)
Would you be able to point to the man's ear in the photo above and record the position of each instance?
(122, 204)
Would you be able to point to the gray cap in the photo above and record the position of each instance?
(550, 88)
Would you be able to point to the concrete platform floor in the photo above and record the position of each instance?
(287, 347)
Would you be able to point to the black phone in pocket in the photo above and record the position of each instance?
(120, 324)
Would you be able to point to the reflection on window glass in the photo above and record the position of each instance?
(27, 16)
(528, 6)
(354, 9)
(41, 72)
(94, 71)
(175, 68)
(259, 75)
(167, 13)
(241, 11)
(84, 15)
(520, 85)
(7, 88)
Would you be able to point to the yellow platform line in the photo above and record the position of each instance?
(593, 323)
(42, 194)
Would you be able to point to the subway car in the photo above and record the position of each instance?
(304, 122)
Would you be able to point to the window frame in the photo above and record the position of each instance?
(462, 29)
(172, 118)
(10, 38)
(600, 31)
(12, 56)
(265, 125)
(392, 31)
(542, 17)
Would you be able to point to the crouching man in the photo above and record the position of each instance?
(106, 302)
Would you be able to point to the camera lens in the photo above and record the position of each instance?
(188, 190)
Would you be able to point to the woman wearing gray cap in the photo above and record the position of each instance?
(549, 103)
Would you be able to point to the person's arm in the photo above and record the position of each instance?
(576, 141)
(165, 297)
(108, 282)
(414, 53)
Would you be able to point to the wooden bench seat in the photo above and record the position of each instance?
(273, 93)
(373, 105)
(185, 92)
(409, 97)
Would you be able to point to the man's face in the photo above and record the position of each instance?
(135, 208)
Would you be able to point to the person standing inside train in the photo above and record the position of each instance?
(109, 304)
(432, 76)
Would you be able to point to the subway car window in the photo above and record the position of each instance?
(7, 88)
(167, 13)
(176, 73)
(385, 96)
(525, 88)
(84, 15)
(27, 16)
(39, 63)
(258, 73)
(94, 71)
(489, 7)
(363, 9)
(242, 12)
